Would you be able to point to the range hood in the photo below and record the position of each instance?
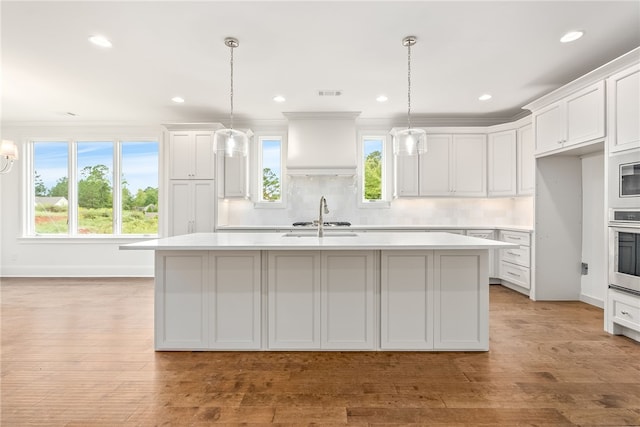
(321, 143)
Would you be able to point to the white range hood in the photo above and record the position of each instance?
(322, 143)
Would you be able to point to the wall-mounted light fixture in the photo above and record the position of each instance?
(8, 153)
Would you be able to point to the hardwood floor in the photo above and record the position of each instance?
(79, 352)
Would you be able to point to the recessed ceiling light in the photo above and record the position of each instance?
(571, 36)
(485, 97)
(177, 99)
(100, 41)
(279, 98)
(382, 98)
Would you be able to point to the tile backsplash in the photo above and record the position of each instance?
(304, 192)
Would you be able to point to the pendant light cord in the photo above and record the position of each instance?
(409, 84)
(231, 118)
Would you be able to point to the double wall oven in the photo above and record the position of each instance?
(624, 222)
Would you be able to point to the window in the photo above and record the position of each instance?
(94, 188)
(373, 169)
(270, 171)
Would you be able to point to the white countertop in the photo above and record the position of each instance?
(309, 241)
(420, 227)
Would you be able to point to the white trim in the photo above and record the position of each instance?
(592, 301)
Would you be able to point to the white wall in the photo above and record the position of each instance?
(304, 194)
(594, 235)
(24, 256)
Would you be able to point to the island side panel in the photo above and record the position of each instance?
(180, 300)
(235, 300)
(461, 300)
(406, 300)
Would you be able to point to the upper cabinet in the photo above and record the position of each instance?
(575, 119)
(191, 155)
(526, 161)
(623, 94)
(502, 163)
(233, 176)
(454, 166)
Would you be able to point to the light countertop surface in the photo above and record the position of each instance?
(420, 227)
(343, 239)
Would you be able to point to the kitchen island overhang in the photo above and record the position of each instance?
(367, 291)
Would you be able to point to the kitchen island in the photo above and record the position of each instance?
(344, 291)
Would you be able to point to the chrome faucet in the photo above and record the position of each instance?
(323, 207)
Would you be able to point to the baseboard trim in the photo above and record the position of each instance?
(592, 301)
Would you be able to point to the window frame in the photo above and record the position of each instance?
(387, 169)
(28, 229)
(259, 137)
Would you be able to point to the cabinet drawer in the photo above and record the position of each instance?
(514, 274)
(626, 313)
(518, 256)
(515, 237)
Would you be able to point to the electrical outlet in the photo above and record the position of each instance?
(585, 268)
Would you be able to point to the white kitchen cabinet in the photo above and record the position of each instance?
(191, 155)
(406, 176)
(181, 286)
(502, 163)
(454, 166)
(514, 264)
(623, 314)
(294, 299)
(233, 176)
(235, 300)
(321, 301)
(491, 235)
(576, 119)
(347, 300)
(406, 300)
(526, 162)
(461, 296)
(191, 206)
(623, 96)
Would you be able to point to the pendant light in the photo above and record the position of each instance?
(234, 142)
(409, 141)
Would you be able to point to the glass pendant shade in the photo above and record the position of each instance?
(8, 150)
(409, 142)
(233, 142)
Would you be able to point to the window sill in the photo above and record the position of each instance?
(374, 205)
(96, 239)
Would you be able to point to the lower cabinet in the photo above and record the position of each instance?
(321, 300)
(434, 300)
(208, 300)
(190, 206)
(514, 264)
(491, 235)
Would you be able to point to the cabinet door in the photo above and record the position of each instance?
(203, 155)
(234, 300)
(435, 167)
(294, 300)
(406, 300)
(461, 295)
(347, 289)
(623, 92)
(406, 173)
(180, 212)
(502, 163)
(180, 301)
(526, 161)
(202, 203)
(181, 155)
(585, 115)
(549, 128)
(235, 177)
(470, 165)
(491, 235)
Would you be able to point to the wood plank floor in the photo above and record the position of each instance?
(79, 352)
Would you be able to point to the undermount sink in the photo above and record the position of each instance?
(326, 234)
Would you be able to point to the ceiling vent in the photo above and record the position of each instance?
(329, 92)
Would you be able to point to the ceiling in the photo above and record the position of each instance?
(163, 49)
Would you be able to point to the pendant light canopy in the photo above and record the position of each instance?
(409, 141)
(233, 141)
